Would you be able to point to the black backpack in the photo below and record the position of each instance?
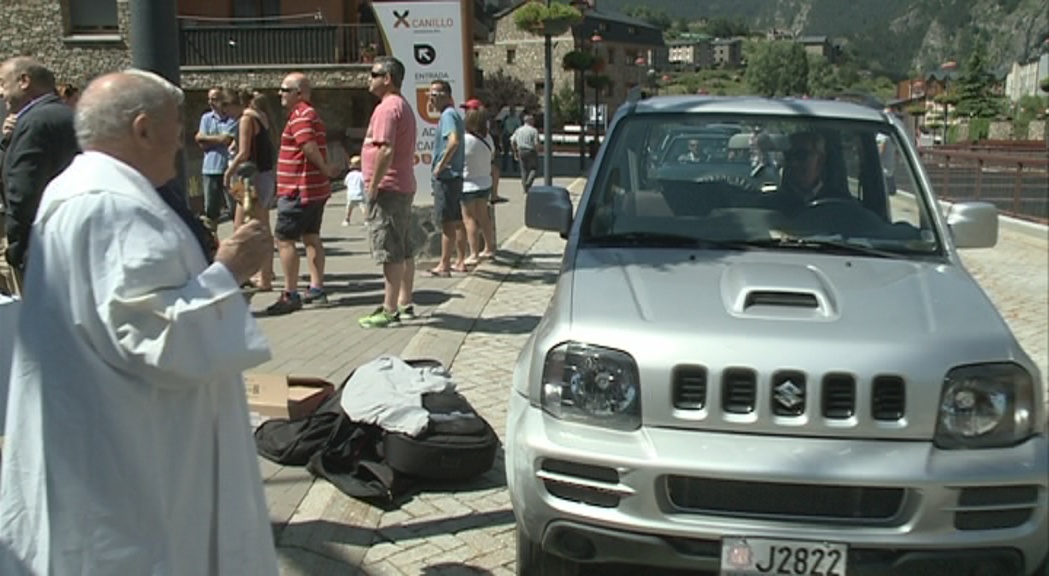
(365, 461)
(458, 444)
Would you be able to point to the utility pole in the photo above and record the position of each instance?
(548, 108)
(155, 47)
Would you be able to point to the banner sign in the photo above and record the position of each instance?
(428, 38)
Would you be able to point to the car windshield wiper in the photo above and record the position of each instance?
(822, 244)
(644, 239)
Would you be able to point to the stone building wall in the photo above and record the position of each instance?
(37, 28)
(528, 65)
(1036, 130)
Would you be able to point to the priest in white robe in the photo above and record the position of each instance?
(128, 448)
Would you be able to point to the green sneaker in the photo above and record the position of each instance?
(379, 319)
(406, 312)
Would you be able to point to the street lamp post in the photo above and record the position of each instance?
(548, 104)
(594, 41)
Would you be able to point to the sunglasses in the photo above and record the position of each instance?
(285, 90)
(378, 74)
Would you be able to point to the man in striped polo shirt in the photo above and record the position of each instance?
(303, 187)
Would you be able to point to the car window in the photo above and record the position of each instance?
(767, 177)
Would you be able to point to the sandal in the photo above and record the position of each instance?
(486, 255)
(440, 273)
(472, 261)
(462, 269)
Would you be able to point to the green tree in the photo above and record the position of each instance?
(975, 97)
(779, 69)
(721, 27)
(566, 105)
(654, 16)
(501, 89)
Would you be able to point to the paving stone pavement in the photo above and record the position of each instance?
(1015, 275)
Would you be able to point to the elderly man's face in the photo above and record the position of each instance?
(290, 93)
(13, 88)
(160, 144)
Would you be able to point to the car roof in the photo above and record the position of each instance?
(758, 106)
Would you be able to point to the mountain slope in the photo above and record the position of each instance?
(893, 36)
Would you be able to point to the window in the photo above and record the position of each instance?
(255, 8)
(540, 87)
(92, 16)
(611, 55)
(511, 55)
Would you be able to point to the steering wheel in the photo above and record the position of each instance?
(735, 181)
(829, 201)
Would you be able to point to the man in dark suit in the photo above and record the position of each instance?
(42, 144)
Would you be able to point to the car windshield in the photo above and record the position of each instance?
(762, 182)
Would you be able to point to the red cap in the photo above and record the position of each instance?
(472, 104)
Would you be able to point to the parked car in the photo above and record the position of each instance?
(799, 378)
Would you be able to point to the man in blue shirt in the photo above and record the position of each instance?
(447, 180)
(216, 133)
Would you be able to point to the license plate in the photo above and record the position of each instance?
(757, 557)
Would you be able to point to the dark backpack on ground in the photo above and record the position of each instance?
(458, 444)
(365, 461)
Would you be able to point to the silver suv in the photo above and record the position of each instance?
(769, 359)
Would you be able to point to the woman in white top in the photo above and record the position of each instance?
(477, 183)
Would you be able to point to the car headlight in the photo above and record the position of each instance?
(985, 406)
(592, 385)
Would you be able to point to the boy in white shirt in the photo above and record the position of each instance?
(354, 190)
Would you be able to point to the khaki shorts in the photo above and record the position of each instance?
(390, 227)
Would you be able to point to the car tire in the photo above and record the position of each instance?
(532, 560)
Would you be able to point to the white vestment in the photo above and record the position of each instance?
(128, 449)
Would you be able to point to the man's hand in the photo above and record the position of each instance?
(9, 125)
(244, 252)
(333, 171)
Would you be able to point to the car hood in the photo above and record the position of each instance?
(769, 311)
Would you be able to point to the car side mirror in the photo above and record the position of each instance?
(549, 208)
(973, 224)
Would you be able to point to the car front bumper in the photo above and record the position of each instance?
(597, 495)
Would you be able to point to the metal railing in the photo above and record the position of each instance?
(1017, 185)
(277, 44)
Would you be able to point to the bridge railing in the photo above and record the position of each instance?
(224, 45)
(1017, 185)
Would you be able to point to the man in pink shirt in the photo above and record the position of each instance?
(388, 169)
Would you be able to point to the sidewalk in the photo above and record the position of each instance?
(474, 323)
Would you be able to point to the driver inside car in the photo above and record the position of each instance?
(803, 173)
(693, 155)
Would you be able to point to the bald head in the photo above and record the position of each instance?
(110, 104)
(133, 116)
(294, 89)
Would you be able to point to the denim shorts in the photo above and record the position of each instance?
(469, 195)
(446, 205)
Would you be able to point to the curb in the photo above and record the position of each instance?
(459, 315)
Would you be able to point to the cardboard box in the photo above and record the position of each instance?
(284, 396)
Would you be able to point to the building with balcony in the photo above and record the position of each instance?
(627, 48)
(692, 54)
(728, 52)
(250, 43)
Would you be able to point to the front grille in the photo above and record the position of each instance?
(888, 398)
(839, 396)
(995, 507)
(797, 502)
(739, 390)
(690, 387)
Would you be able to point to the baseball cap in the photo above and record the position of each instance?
(472, 104)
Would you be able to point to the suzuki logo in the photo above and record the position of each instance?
(402, 19)
(789, 395)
